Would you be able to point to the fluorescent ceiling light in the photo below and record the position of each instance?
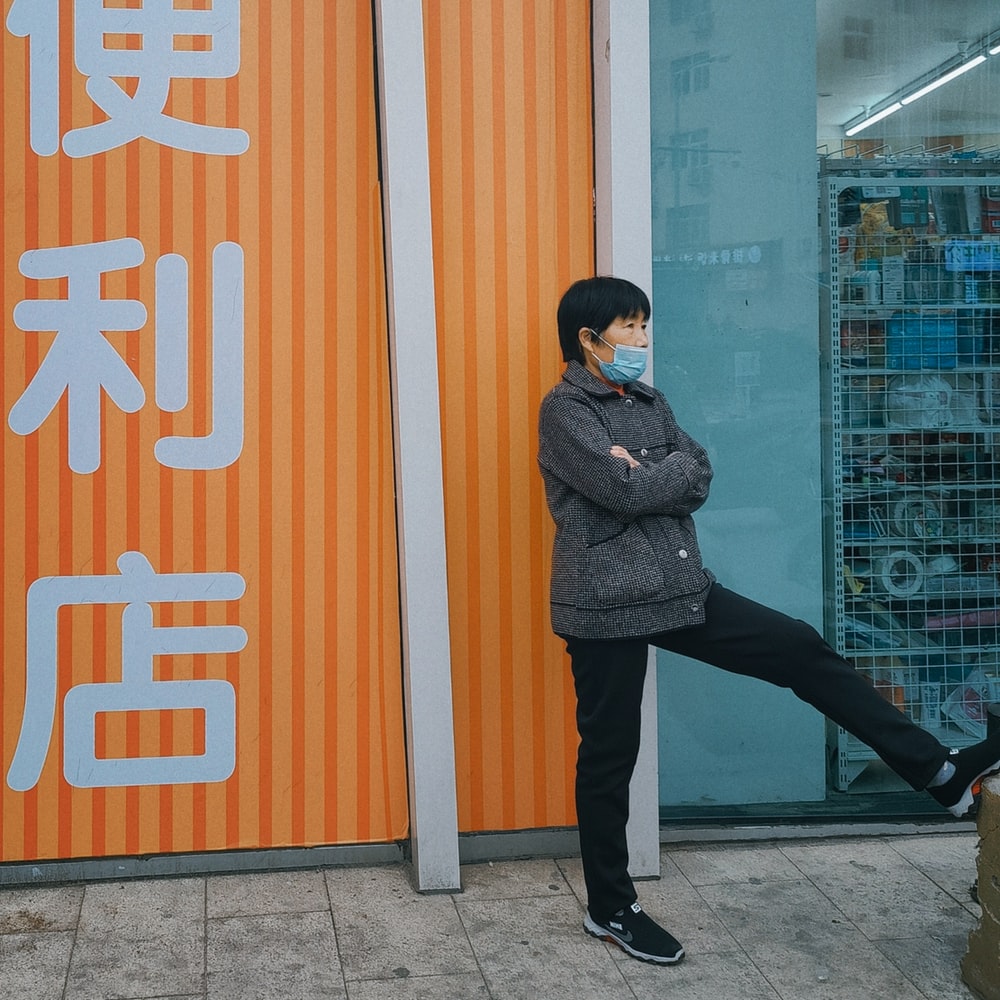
(905, 95)
(947, 78)
(884, 113)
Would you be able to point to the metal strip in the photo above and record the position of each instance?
(417, 432)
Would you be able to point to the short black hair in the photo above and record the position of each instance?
(596, 303)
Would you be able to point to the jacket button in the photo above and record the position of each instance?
(628, 401)
(683, 553)
(643, 452)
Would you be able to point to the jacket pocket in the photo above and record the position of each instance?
(674, 541)
(620, 570)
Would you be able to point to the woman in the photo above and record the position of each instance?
(622, 480)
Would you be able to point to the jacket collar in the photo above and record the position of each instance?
(579, 375)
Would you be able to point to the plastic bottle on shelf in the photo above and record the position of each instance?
(865, 284)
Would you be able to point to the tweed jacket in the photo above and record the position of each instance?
(625, 561)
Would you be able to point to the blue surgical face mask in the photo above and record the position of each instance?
(627, 365)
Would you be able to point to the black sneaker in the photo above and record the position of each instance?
(633, 931)
(972, 764)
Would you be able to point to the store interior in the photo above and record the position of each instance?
(869, 56)
(909, 88)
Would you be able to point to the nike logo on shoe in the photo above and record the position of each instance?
(620, 931)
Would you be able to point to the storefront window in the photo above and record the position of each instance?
(742, 122)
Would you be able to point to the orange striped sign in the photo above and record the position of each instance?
(509, 115)
(200, 615)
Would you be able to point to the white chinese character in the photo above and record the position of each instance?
(137, 587)
(39, 21)
(153, 65)
(81, 362)
(224, 443)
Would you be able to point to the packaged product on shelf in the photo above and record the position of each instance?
(899, 573)
(967, 619)
(923, 282)
(973, 210)
(930, 703)
(910, 210)
(988, 518)
(915, 340)
(876, 238)
(966, 703)
(993, 687)
(970, 339)
(918, 402)
(916, 517)
(863, 402)
(971, 255)
(862, 343)
(893, 286)
(989, 410)
(960, 583)
(991, 210)
(864, 287)
(957, 209)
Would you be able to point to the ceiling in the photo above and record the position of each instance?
(868, 49)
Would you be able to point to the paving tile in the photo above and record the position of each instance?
(461, 986)
(512, 879)
(33, 966)
(273, 957)
(532, 948)
(39, 909)
(718, 976)
(733, 864)
(572, 872)
(949, 860)
(384, 925)
(879, 890)
(141, 938)
(932, 964)
(804, 945)
(255, 893)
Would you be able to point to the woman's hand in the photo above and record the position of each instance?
(619, 452)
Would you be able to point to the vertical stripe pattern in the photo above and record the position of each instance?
(509, 114)
(305, 514)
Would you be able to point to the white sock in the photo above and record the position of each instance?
(943, 776)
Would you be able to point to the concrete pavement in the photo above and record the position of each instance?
(852, 918)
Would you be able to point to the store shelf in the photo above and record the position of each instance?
(911, 353)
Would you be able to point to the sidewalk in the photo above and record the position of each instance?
(866, 918)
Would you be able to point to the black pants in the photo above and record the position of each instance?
(742, 637)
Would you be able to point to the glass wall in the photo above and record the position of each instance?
(735, 310)
(747, 106)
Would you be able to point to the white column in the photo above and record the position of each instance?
(417, 434)
(623, 204)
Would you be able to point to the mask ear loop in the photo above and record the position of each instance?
(600, 338)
